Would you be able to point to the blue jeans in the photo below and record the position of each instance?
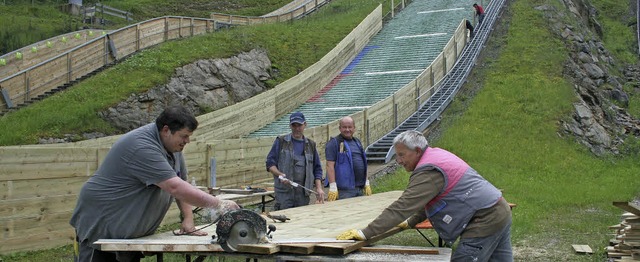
(349, 193)
(496, 247)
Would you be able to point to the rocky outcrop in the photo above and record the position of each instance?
(202, 86)
(600, 120)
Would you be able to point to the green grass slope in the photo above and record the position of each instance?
(509, 133)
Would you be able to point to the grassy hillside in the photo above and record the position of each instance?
(508, 131)
(23, 24)
(28, 21)
(314, 37)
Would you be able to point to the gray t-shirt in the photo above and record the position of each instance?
(121, 200)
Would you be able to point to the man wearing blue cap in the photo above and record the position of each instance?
(294, 158)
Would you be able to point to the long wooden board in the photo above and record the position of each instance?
(310, 230)
(400, 250)
(628, 206)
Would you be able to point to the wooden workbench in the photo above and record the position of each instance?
(311, 230)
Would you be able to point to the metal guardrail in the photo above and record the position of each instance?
(298, 12)
(104, 9)
(432, 108)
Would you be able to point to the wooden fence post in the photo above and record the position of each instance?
(166, 29)
(137, 37)
(392, 9)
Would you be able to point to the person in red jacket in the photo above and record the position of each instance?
(479, 12)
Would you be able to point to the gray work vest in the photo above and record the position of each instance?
(464, 192)
(286, 161)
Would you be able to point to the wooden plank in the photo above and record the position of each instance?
(337, 248)
(178, 244)
(303, 249)
(310, 240)
(628, 206)
(19, 189)
(28, 155)
(443, 256)
(36, 205)
(618, 226)
(22, 228)
(263, 249)
(303, 225)
(40, 171)
(343, 248)
(401, 250)
(583, 249)
(44, 240)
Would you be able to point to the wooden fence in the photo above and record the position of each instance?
(39, 183)
(35, 73)
(23, 58)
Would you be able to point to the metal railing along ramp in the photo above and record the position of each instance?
(382, 149)
(406, 46)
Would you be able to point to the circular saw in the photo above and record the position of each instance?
(240, 227)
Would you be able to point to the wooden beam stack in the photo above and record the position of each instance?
(626, 244)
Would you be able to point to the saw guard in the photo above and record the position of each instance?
(248, 220)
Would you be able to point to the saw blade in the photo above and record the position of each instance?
(241, 233)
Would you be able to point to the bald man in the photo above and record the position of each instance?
(346, 164)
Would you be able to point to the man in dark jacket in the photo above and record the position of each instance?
(294, 158)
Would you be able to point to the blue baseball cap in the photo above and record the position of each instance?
(297, 117)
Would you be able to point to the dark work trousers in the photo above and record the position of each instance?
(89, 254)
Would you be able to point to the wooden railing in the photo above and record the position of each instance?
(26, 83)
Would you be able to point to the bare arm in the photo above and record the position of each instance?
(276, 173)
(331, 172)
(274, 170)
(187, 194)
(188, 223)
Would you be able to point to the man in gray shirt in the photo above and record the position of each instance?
(132, 190)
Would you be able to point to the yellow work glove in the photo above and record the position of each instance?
(367, 188)
(404, 225)
(352, 234)
(333, 192)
